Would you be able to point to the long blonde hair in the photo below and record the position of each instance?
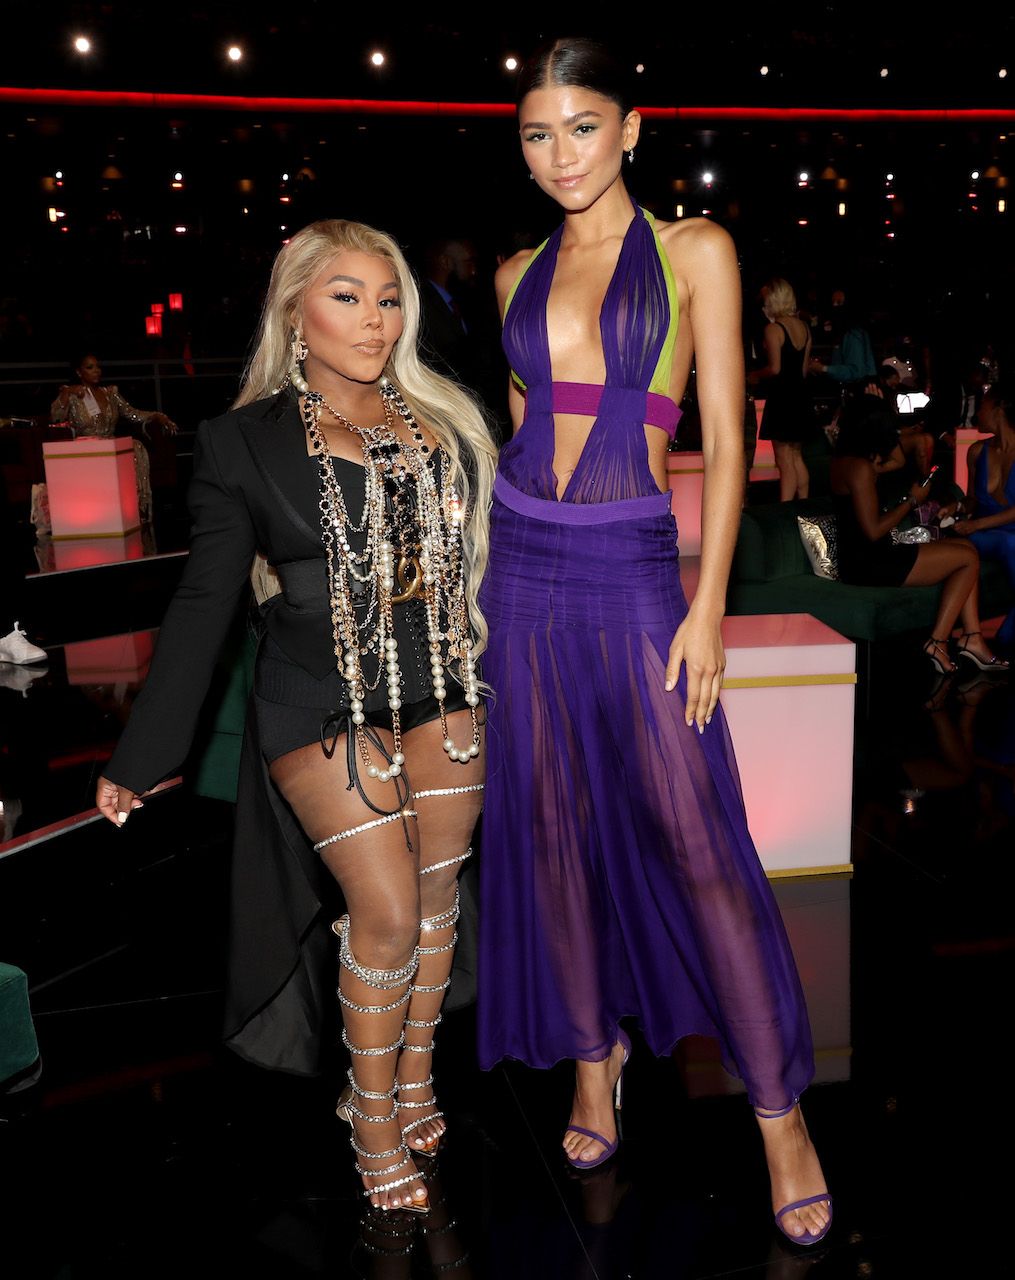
(441, 405)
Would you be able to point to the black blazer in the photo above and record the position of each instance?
(251, 469)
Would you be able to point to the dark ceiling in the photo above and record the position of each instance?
(817, 54)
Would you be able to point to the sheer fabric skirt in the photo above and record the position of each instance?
(618, 875)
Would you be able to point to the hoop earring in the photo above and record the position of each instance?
(300, 351)
(630, 155)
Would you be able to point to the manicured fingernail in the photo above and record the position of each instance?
(708, 719)
(121, 818)
(701, 728)
(669, 686)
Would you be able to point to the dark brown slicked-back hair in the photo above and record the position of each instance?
(580, 63)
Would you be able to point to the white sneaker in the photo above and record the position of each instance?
(16, 647)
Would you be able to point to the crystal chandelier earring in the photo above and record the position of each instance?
(630, 155)
(300, 351)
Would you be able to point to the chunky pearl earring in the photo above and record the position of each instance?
(300, 351)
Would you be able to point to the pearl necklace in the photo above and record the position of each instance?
(436, 563)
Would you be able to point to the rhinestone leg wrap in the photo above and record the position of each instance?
(447, 862)
(448, 791)
(364, 826)
(425, 1016)
(394, 1165)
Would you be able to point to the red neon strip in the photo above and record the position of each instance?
(386, 107)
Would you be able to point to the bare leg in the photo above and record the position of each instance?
(378, 875)
(956, 563)
(787, 470)
(445, 821)
(803, 476)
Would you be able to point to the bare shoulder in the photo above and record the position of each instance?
(509, 271)
(696, 242)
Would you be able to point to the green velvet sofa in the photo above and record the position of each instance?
(771, 574)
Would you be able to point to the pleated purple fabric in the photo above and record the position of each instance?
(618, 875)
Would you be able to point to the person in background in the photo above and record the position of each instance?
(853, 356)
(96, 411)
(788, 417)
(869, 557)
(988, 516)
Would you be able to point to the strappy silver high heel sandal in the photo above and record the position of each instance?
(429, 925)
(348, 1107)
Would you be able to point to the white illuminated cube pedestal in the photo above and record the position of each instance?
(788, 697)
(92, 487)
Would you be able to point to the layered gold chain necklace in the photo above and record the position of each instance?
(412, 517)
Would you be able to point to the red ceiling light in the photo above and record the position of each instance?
(153, 326)
(176, 302)
(158, 308)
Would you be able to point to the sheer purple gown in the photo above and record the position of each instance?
(618, 875)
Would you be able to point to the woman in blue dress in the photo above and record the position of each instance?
(990, 524)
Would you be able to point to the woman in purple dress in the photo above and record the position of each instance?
(619, 877)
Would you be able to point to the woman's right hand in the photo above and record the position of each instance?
(918, 492)
(115, 803)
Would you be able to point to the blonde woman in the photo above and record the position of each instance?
(788, 415)
(364, 479)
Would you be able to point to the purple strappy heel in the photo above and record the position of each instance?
(808, 1237)
(618, 1102)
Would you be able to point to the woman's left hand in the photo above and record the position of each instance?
(965, 527)
(698, 645)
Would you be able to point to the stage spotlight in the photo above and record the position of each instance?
(511, 64)
(805, 176)
(82, 44)
(1002, 73)
(707, 177)
(378, 58)
(884, 73)
(640, 68)
(234, 53)
(764, 71)
(975, 174)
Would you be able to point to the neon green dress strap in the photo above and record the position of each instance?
(514, 289)
(660, 383)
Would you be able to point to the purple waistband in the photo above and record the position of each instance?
(653, 504)
(584, 398)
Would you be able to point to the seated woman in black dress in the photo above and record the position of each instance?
(867, 555)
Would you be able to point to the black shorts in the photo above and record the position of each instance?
(291, 705)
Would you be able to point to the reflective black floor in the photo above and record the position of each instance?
(147, 1151)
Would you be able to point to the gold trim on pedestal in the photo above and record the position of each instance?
(788, 682)
(805, 873)
(80, 537)
(99, 453)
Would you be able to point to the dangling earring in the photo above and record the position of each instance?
(300, 351)
(532, 177)
(630, 155)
